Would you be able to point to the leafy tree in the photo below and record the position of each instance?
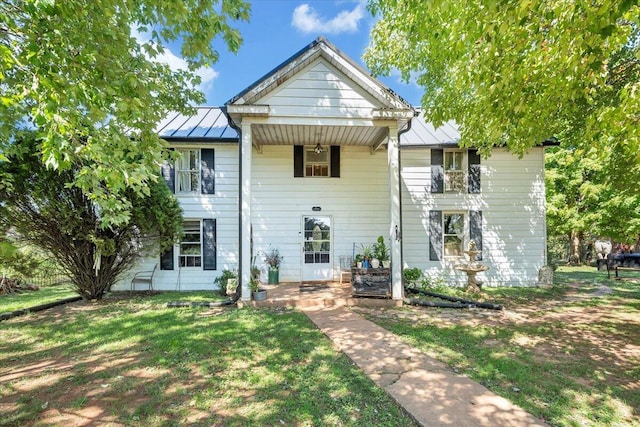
(582, 201)
(517, 72)
(39, 206)
(74, 71)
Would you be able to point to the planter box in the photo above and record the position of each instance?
(259, 295)
(274, 277)
(372, 282)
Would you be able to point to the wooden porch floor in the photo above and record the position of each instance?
(315, 295)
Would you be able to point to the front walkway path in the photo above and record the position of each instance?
(426, 388)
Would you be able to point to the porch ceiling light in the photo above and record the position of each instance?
(318, 148)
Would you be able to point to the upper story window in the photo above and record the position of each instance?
(455, 171)
(188, 166)
(316, 162)
(454, 178)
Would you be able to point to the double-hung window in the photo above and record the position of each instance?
(455, 171)
(453, 231)
(454, 179)
(189, 171)
(316, 162)
(191, 245)
(197, 249)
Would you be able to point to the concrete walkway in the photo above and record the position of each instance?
(426, 388)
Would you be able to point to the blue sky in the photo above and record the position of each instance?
(280, 28)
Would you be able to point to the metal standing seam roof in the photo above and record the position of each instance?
(209, 124)
(424, 134)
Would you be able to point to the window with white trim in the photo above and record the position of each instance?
(454, 173)
(316, 164)
(191, 245)
(188, 171)
(453, 234)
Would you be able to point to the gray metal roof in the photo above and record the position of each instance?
(209, 124)
(423, 134)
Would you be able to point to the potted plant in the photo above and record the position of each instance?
(381, 252)
(358, 260)
(258, 293)
(367, 251)
(273, 259)
(227, 282)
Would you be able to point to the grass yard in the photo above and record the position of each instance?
(569, 355)
(131, 361)
(44, 295)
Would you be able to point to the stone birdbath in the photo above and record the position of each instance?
(472, 267)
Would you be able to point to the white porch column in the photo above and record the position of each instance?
(245, 210)
(394, 203)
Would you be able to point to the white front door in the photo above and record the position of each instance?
(316, 248)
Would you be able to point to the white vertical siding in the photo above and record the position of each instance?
(512, 201)
(358, 202)
(221, 206)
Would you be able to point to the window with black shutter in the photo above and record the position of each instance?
(209, 244)
(448, 174)
(316, 161)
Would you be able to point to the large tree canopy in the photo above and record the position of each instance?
(517, 72)
(74, 71)
(40, 209)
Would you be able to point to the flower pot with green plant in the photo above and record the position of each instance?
(367, 251)
(358, 261)
(381, 252)
(258, 293)
(273, 259)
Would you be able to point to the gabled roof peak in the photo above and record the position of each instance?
(319, 48)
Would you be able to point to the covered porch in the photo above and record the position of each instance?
(319, 156)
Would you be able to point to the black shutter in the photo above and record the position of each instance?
(473, 186)
(335, 161)
(437, 171)
(298, 161)
(207, 171)
(475, 231)
(168, 173)
(435, 235)
(209, 244)
(166, 259)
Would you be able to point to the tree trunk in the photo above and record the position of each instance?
(575, 247)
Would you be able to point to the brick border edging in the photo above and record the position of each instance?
(36, 308)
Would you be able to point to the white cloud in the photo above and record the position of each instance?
(306, 19)
(207, 74)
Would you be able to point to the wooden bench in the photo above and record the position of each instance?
(625, 262)
(144, 277)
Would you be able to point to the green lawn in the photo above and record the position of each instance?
(44, 295)
(135, 362)
(570, 355)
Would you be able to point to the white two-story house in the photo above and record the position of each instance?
(318, 157)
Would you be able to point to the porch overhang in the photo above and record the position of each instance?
(268, 130)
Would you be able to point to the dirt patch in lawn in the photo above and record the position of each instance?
(56, 386)
(580, 328)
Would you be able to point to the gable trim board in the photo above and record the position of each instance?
(252, 153)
